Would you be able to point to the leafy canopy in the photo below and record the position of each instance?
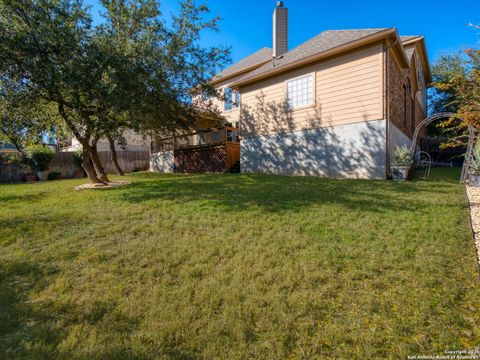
(132, 71)
(459, 86)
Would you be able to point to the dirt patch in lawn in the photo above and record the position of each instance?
(108, 185)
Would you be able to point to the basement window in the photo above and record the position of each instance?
(300, 91)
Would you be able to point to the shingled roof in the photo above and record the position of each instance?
(256, 58)
(324, 41)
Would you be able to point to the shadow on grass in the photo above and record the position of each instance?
(36, 330)
(25, 197)
(20, 324)
(277, 193)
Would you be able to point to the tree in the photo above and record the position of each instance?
(131, 72)
(23, 122)
(459, 92)
(167, 66)
(46, 50)
(445, 69)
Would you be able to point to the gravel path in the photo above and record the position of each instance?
(473, 194)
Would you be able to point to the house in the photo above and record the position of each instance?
(6, 148)
(134, 142)
(335, 106)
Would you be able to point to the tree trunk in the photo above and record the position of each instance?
(97, 163)
(114, 157)
(88, 167)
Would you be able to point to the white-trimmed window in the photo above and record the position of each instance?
(300, 91)
(231, 99)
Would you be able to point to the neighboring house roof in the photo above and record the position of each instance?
(6, 147)
(256, 59)
(324, 44)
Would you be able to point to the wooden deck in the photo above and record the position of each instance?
(208, 151)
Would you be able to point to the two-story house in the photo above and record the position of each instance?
(336, 105)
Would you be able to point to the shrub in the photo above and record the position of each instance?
(39, 157)
(13, 158)
(401, 156)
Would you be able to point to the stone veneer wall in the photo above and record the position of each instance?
(345, 151)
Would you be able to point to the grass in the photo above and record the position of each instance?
(237, 267)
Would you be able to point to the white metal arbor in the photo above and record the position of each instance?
(473, 137)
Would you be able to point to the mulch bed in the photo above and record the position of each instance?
(108, 185)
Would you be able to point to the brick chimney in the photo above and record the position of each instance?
(280, 30)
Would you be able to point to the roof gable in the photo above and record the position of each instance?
(417, 42)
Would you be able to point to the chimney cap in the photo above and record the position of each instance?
(279, 4)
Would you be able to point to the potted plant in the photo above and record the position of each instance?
(474, 177)
(401, 163)
(39, 157)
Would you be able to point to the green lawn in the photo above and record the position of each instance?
(237, 267)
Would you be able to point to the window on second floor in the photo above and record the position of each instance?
(227, 99)
(236, 98)
(300, 91)
(204, 97)
(231, 99)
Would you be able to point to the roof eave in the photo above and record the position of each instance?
(412, 40)
(427, 61)
(401, 50)
(237, 73)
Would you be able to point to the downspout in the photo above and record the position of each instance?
(387, 106)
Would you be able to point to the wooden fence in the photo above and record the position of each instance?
(10, 173)
(63, 163)
(129, 161)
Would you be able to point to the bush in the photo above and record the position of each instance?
(54, 175)
(39, 157)
(401, 156)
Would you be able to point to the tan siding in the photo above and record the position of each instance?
(348, 89)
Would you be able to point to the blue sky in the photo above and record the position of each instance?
(247, 24)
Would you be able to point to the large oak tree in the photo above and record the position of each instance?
(131, 71)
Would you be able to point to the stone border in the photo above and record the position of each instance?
(473, 196)
(109, 185)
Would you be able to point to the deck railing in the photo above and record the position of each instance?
(198, 139)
